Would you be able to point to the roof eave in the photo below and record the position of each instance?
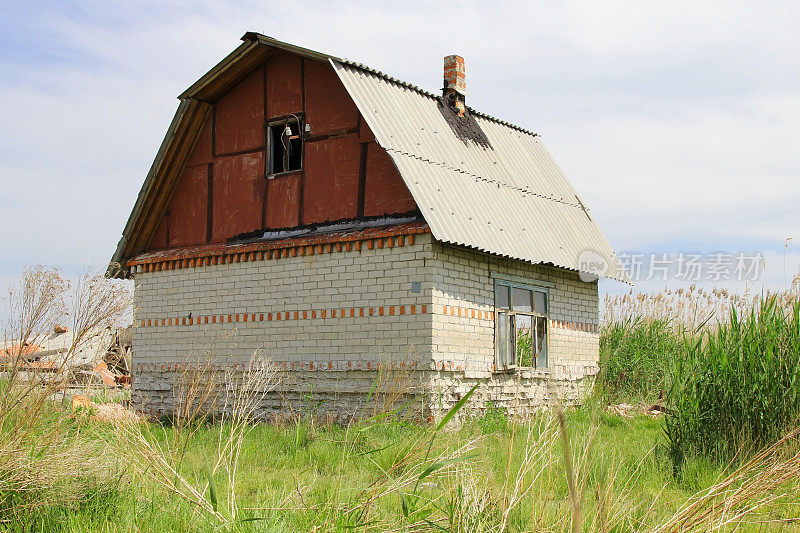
(181, 136)
(216, 70)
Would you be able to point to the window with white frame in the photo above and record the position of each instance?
(521, 325)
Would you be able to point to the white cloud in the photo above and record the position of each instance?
(727, 169)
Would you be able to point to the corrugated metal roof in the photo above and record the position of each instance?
(509, 199)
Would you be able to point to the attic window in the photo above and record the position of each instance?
(285, 145)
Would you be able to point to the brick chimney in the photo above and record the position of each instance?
(455, 83)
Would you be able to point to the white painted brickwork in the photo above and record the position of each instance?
(356, 280)
(369, 278)
(335, 358)
(465, 347)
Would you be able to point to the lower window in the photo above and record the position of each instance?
(521, 322)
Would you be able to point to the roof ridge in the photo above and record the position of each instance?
(271, 41)
(420, 90)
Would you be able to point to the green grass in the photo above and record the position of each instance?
(730, 387)
(295, 477)
(729, 390)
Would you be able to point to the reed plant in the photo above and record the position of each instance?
(736, 387)
(635, 357)
(727, 366)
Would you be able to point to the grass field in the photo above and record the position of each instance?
(296, 477)
(492, 475)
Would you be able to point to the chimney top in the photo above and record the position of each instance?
(455, 83)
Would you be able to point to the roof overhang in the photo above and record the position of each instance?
(508, 198)
(255, 49)
(160, 182)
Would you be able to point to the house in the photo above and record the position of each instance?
(346, 223)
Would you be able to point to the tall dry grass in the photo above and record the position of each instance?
(45, 457)
(689, 308)
(228, 400)
(748, 495)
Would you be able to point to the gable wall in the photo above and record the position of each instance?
(223, 191)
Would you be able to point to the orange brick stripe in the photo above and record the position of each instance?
(288, 316)
(347, 365)
(452, 366)
(346, 312)
(576, 326)
(479, 314)
(467, 312)
(220, 254)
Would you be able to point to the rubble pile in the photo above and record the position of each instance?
(97, 358)
(626, 410)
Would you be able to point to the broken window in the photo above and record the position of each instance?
(521, 326)
(285, 145)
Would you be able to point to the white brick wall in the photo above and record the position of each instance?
(465, 347)
(337, 356)
(462, 278)
(330, 282)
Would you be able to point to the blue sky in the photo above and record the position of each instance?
(677, 122)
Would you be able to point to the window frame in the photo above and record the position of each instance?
(509, 312)
(297, 118)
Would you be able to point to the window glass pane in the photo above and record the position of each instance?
(540, 302)
(521, 299)
(502, 340)
(523, 340)
(501, 296)
(541, 342)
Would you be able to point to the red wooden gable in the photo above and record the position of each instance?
(223, 190)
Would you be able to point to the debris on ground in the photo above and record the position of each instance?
(102, 412)
(102, 357)
(626, 410)
(655, 410)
